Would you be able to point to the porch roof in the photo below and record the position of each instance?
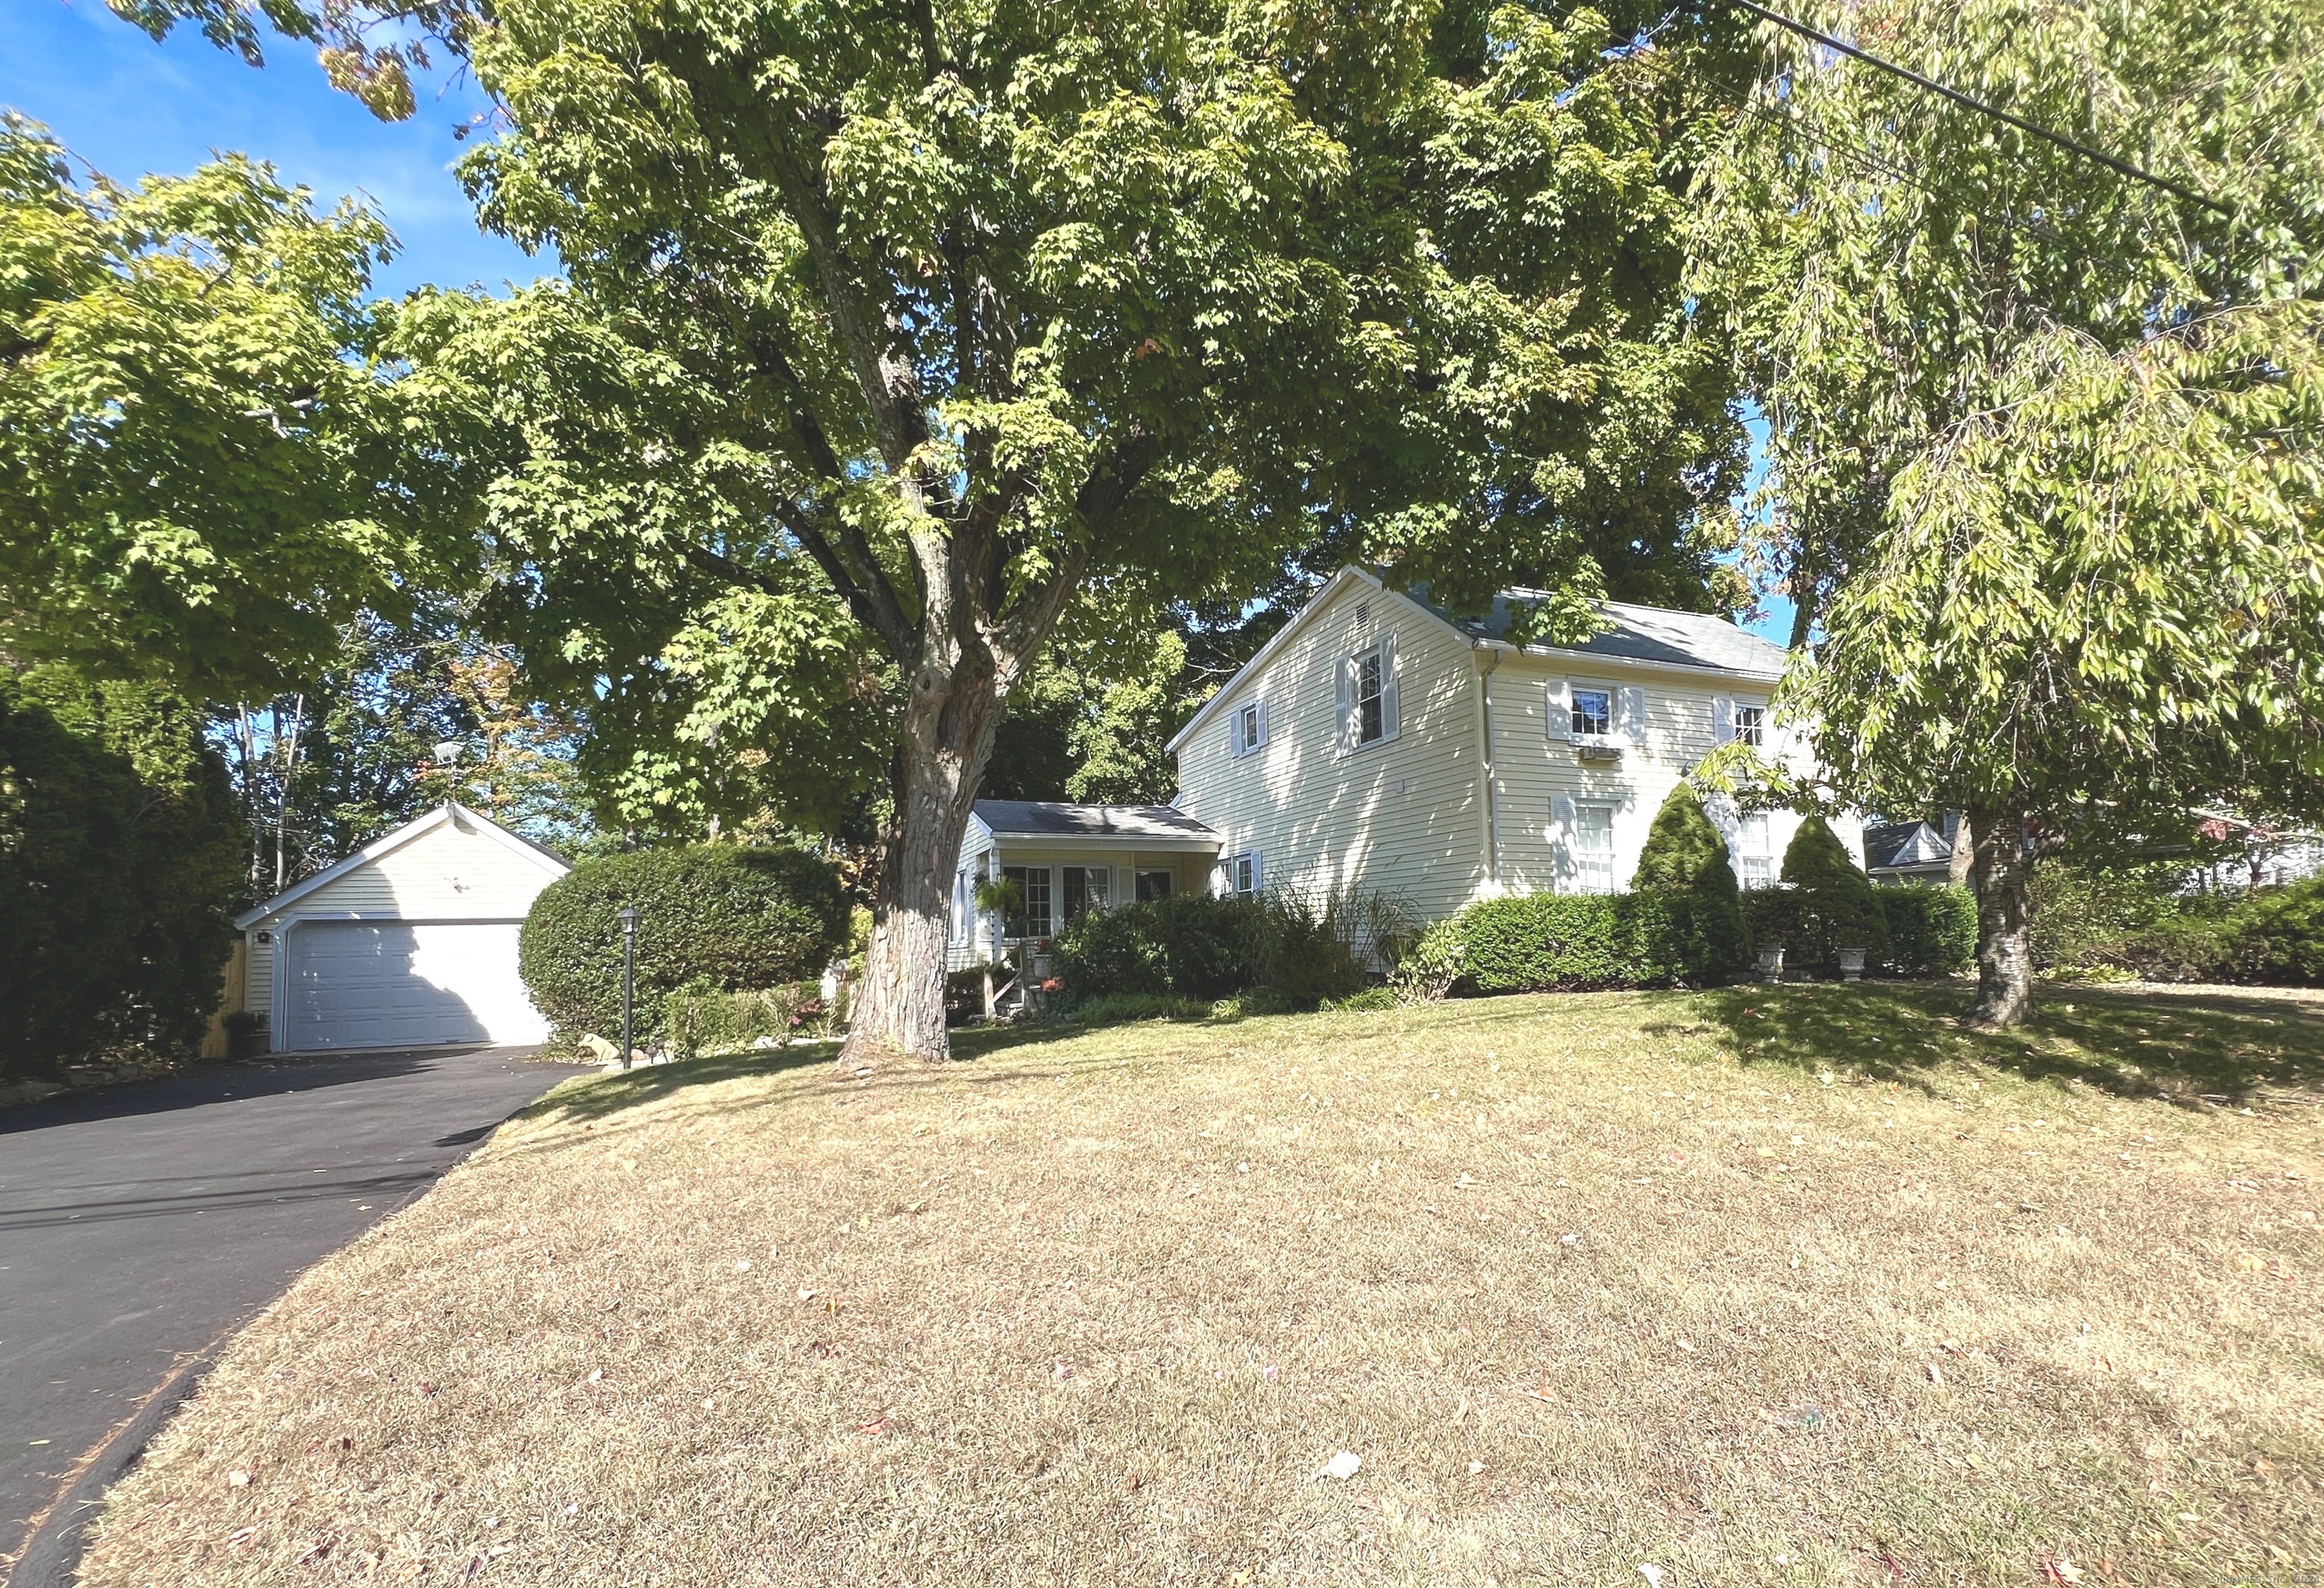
(1125, 826)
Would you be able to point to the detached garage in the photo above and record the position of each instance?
(408, 942)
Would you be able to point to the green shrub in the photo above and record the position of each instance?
(1684, 851)
(1437, 959)
(732, 918)
(1550, 942)
(1189, 946)
(1836, 905)
(1308, 949)
(1370, 1000)
(1929, 931)
(2274, 938)
(701, 1018)
(2083, 917)
(2278, 937)
(121, 865)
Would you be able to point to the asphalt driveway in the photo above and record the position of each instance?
(140, 1224)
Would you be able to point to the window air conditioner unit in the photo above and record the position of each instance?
(1598, 749)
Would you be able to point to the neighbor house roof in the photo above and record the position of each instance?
(1648, 633)
(1904, 845)
(1051, 818)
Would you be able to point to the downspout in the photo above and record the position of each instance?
(1489, 658)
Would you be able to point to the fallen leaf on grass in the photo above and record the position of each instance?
(2061, 1570)
(1935, 1375)
(237, 1479)
(875, 1428)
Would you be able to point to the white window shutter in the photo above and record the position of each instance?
(1390, 720)
(1258, 873)
(1634, 715)
(1722, 718)
(1344, 697)
(1234, 734)
(1560, 711)
(1262, 725)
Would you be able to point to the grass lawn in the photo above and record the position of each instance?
(1793, 1284)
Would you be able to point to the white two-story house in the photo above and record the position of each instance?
(1376, 744)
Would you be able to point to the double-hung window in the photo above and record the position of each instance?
(1031, 919)
(1367, 693)
(1593, 714)
(1153, 886)
(1593, 848)
(1751, 727)
(1244, 875)
(1755, 865)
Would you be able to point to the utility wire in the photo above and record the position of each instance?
(1967, 101)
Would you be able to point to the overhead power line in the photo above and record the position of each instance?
(1970, 102)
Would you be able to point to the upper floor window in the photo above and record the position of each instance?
(1366, 692)
(1751, 725)
(1247, 729)
(1593, 713)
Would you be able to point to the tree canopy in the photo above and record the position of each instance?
(2043, 436)
(196, 481)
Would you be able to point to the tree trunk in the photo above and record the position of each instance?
(1956, 869)
(2005, 945)
(948, 735)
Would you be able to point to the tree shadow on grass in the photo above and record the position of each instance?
(2188, 1049)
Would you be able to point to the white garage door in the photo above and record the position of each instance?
(405, 983)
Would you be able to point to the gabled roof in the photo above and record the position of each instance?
(388, 843)
(1648, 633)
(1897, 844)
(1050, 818)
(1647, 636)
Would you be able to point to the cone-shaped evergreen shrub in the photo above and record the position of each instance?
(1837, 905)
(1684, 850)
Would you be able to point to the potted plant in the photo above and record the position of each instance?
(1851, 965)
(246, 1033)
(1771, 961)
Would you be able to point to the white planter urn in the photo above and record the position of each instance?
(1851, 965)
(1771, 961)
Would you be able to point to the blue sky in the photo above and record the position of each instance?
(128, 106)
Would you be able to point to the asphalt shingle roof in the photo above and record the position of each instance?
(1654, 634)
(1903, 844)
(1056, 819)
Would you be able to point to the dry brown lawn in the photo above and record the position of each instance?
(1749, 1287)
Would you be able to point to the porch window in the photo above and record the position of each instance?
(1032, 917)
(1153, 886)
(1086, 887)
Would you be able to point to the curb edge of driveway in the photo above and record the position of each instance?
(51, 1556)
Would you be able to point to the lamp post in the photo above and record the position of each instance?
(628, 917)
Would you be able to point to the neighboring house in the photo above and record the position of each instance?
(410, 941)
(1376, 744)
(1908, 852)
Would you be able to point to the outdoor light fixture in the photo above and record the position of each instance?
(628, 916)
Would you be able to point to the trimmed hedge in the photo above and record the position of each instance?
(2272, 939)
(734, 918)
(1931, 931)
(1568, 942)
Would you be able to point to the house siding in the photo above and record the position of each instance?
(452, 871)
(1405, 816)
